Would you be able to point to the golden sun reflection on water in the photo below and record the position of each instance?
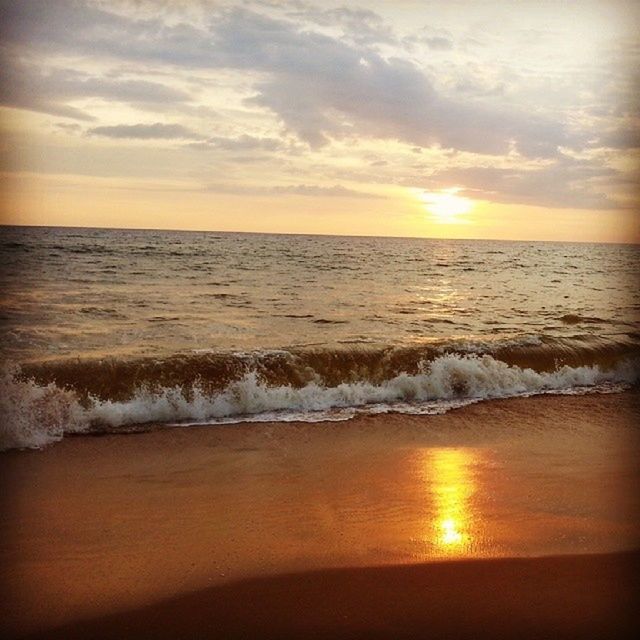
(451, 483)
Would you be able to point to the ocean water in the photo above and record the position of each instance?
(108, 330)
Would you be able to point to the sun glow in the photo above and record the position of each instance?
(445, 206)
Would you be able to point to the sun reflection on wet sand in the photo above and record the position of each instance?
(452, 527)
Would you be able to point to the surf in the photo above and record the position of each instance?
(43, 402)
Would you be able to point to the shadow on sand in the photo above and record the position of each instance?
(590, 596)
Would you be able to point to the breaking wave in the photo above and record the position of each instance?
(42, 402)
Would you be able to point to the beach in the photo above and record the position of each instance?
(319, 320)
(509, 515)
(261, 435)
(560, 597)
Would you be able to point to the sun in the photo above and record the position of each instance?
(445, 206)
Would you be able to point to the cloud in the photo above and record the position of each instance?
(66, 127)
(297, 76)
(361, 26)
(623, 137)
(337, 191)
(242, 143)
(81, 27)
(565, 183)
(436, 39)
(319, 86)
(47, 90)
(20, 89)
(439, 43)
(156, 131)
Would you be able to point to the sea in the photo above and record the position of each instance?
(110, 330)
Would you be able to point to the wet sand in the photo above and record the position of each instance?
(373, 527)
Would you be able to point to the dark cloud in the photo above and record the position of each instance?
(80, 27)
(25, 87)
(38, 88)
(624, 137)
(156, 131)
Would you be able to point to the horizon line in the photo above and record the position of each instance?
(321, 235)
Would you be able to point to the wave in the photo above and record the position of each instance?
(42, 402)
(119, 378)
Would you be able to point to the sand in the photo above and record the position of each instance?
(382, 526)
(561, 597)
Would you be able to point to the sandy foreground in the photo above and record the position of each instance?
(383, 526)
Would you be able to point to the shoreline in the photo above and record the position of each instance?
(360, 414)
(95, 527)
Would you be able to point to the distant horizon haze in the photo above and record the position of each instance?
(328, 235)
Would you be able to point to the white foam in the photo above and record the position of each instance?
(34, 416)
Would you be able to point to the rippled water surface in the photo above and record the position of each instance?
(70, 292)
(108, 329)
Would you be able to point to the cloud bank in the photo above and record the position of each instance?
(300, 82)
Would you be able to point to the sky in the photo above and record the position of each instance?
(434, 118)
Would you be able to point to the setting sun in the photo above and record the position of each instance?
(445, 206)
